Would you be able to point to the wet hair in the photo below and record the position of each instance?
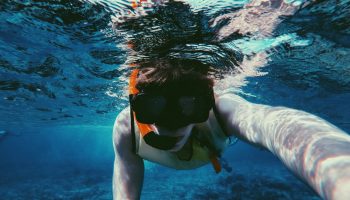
(174, 75)
(172, 44)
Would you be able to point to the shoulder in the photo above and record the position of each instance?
(227, 103)
(229, 97)
(234, 112)
(122, 119)
(224, 107)
(121, 128)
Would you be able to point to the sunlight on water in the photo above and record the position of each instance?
(69, 56)
(253, 46)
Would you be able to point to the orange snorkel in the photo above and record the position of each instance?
(135, 4)
(144, 128)
(147, 131)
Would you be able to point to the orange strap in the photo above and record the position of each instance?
(132, 82)
(135, 4)
(216, 164)
(144, 128)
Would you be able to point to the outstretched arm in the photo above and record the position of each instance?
(257, 18)
(312, 148)
(128, 167)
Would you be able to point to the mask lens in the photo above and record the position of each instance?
(195, 108)
(187, 105)
(172, 110)
(148, 108)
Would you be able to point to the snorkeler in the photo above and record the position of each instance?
(176, 119)
(180, 123)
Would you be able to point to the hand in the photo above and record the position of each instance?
(258, 18)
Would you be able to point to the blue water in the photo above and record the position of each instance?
(63, 81)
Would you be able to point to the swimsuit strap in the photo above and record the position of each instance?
(132, 128)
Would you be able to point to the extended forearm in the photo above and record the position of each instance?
(312, 148)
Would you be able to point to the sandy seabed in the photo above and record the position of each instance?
(238, 184)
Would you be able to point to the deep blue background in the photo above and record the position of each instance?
(62, 85)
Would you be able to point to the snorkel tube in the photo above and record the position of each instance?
(147, 131)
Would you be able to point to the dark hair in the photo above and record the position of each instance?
(173, 73)
(171, 37)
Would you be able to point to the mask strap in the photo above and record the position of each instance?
(144, 128)
(147, 131)
(132, 91)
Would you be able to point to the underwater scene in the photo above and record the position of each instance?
(64, 72)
